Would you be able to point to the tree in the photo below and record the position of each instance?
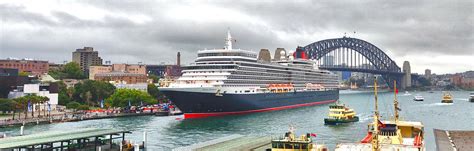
(92, 91)
(121, 97)
(153, 91)
(83, 107)
(155, 78)
(72, 70)
(73, 105)
(30, 99)
(8, 105)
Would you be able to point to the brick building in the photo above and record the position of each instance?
(125, 68)
(121, 77)
(35, 67)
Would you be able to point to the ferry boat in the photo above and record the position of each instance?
(389, 135)
(418, 98)
(292, 143)
(471, 97)
(233, 81)
(447, 98)
(340, 113)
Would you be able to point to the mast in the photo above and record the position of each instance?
(228, 41)
(375, 141)
(395, 101)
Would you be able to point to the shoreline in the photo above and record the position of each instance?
(62, 118)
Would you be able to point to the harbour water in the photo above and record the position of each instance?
(166, 133)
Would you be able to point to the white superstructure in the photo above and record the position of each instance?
(238, 71)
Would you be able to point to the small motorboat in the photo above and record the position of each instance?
(407, 93)
(418, 98)
(447, 98)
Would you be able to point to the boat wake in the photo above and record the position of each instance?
(461, 99)
(439, 104)
(364, 117)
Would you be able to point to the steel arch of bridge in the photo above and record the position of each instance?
(383, 64)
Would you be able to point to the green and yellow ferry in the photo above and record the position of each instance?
(340, 113)
(292, 143)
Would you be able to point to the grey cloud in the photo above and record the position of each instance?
(401, 27)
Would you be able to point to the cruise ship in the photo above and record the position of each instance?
(231, 81)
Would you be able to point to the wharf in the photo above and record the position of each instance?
(448, 140)
(81, 139)
(232, 142)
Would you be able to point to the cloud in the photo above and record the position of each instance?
(153, 31)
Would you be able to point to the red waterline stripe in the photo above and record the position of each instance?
(202, 115)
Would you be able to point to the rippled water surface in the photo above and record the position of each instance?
(166, 133)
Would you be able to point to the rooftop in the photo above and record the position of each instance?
(54, 136)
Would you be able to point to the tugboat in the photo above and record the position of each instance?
(471, 97)
(447, 98)
(418, 98)
(339, 113)
(389, 135)
(292, 143)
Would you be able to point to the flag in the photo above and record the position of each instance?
(396, 91)
(102, 104)
(30, 109)
(381, 124)
(313, 134)
(49, 107)
(129, 104)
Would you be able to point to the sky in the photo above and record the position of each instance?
(436, 35)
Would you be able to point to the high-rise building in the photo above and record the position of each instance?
(86, 57)
(407, 75)
(428, 73)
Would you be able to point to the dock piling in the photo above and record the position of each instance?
(21, 130)
(144, 138)
(137, 147)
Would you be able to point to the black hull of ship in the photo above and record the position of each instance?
(198, 105)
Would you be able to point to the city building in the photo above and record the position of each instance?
(5, 72)
(463, 80)
(121, 77)
(47, 90)
(406, 81)
(427, 73)
(162, 71)
(86, 57)
(34, 67)
(126, 68)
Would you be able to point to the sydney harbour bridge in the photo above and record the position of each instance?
(356, 55)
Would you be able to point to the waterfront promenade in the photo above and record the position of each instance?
(67, 116)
